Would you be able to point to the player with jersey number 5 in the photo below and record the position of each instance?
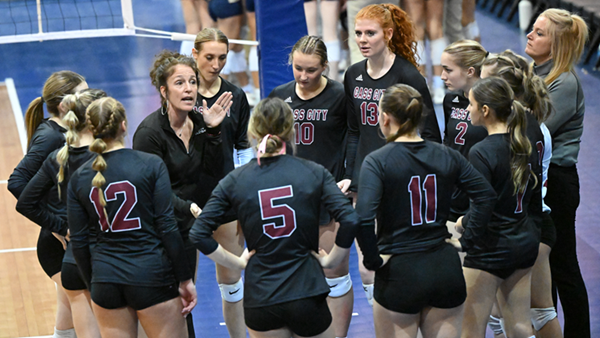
(407, 185)
(386, 38)
(320, 123)
(140, 269)
(278, 198)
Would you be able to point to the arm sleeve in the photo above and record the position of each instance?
(353, 134)
(341, 210)
(166, 225)
(210, 220)
(475, 230)
(147, 140)
(482, 197)
(79, 228)
(41, 146)
(563, 94)
(29, 202)
(371, 191)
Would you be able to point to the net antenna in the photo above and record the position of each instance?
(42, 20)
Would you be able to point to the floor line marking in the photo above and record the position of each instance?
(17, 250)
(16, 108)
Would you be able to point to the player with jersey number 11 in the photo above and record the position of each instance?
(407, 185)
(277, 198)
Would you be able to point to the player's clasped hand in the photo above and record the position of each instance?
(246, 256)
(215, 115)
(189, 298)
(195, 210)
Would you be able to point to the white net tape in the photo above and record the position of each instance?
(39, 20)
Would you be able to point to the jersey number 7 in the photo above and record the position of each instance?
(120, 222)
(268, 211)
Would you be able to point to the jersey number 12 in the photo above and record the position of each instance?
(268, 211)
(120, 222)
(430, 188)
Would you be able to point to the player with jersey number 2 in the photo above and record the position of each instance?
(140, 267)
(407, 185)
(278, 198)
(320, 123)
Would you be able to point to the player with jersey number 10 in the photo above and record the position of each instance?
(277, 198)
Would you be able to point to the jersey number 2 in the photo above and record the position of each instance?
(269, 211)
(462, 127)
(120, 222)
(430, 188)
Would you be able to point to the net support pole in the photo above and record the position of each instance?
(38, 6)
(279, 24)
(127, 10)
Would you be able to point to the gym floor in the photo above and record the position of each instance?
(120, 66)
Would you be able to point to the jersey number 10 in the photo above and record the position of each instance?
(120, 222)
(416, 201)
(268, 211)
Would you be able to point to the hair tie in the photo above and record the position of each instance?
(487, 54)
(42, 99)
(263, 146)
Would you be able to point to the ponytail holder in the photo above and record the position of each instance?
(263, 146)
(487, 54)
(42, 98)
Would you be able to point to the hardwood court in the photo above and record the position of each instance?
(27, 295)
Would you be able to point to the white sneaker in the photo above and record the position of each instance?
(438, 95)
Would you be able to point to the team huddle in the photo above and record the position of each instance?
(332, 162)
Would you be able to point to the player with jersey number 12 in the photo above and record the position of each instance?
(277, 198)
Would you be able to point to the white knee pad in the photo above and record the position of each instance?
(227, 68)
(232, 293)
(253, 59)
(334, 49)
(437, 48)
(471, 31)
(69, 333)
(368, 288)
(339, 286)
(238, 62)
(496, 325)
(421, 52)
(539, 317)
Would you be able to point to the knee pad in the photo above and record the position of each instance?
(339, 286)
(227, 68)
(333, 50)
(69, 333)
(471, 31)
(421, 52)
(368, 288)
(496, 325)
(232, 293)
(539, 317)
(253, 59)
(238, 62)
(437, 48)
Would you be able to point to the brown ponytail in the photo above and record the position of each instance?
(272, 116)
(403, 41)
(56, 87)
(404, 104)
(496, 93)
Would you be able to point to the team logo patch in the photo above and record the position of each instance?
(455, 100)
(288, 100)
(359, 78)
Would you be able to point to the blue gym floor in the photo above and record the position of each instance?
(120, 66)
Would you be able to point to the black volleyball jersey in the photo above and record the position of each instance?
(363, 94)
(407, 186)
(235, 124)
(460, 135)
(320, 123)
(513, 233)
(278, 205)
(45, 180)
(132, 237)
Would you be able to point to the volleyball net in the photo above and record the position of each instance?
(41, 20)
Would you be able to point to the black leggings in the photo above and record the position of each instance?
(563, 198)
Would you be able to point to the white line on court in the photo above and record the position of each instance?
(16, 108)
(17, 250)
(4, 182)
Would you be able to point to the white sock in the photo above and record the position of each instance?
(69, 333)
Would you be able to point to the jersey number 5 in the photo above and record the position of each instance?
(120, 222)
(430, 188)
(269, 211)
